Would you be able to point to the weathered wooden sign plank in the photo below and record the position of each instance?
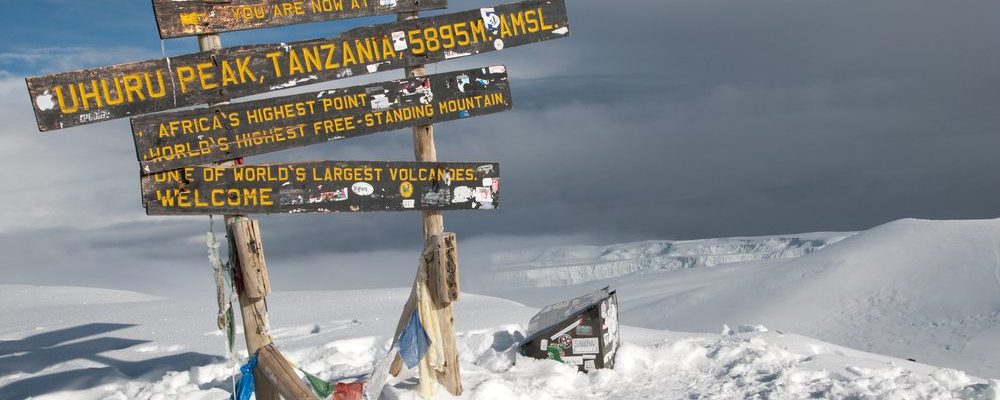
(177, 18)
(100, 94)
(223, 132)
(323, 186)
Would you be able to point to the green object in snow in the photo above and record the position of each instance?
(230, 329)
(555, 352)
(322, 388)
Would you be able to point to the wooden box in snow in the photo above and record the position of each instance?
(582, 331)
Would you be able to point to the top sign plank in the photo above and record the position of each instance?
(100, 94)
(178, 18)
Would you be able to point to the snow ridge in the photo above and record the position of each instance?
(571, 265)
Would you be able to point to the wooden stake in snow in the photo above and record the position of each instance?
(246, 253)
(448, 373)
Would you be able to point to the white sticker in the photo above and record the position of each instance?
(491, 21)
(399, 41)
(380, 102)
(585, 346)
(484, 194)
(498, 69)
(387, 3)
(561, 31)
(453, 54)
(44, 101)
(545, 344)
(589, 365)
(567, 329)
(488, 182)
(575, 360)
(362, 189)
(408, 203)
(462, 194)
(498, 44)
(340, 194)
(462, 81)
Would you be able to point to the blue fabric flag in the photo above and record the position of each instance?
(413, 342)
(244, 388)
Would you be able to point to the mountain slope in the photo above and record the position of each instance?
(928, 290)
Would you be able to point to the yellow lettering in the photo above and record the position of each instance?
(228, 75)
(348, 55)
(205, 76)
(541, 18)
(246, 75)
(149, 86)
(329, 56)
(62, 100)
(294, 65)
(185, 75)
(107, 95)
(312, 59)
(274, 59)
(517, 22)
(504, 27)
(95, 95)
(531, 18)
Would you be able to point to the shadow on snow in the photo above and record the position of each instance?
(39, 352)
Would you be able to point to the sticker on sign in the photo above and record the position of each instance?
(585, 346)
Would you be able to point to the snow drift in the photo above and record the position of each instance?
(139, 348)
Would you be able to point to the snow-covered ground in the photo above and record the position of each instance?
(71, 343)
(913, 289)
(928, 290)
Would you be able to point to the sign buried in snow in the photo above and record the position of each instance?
(582, 331)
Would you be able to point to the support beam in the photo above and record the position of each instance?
(449, 374)
(279, 373)
(438, 254)
(250, 273)
(253, 309)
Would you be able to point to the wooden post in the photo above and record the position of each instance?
(279, 373)
(450, 376)
(442, 273)
(274, 375)
(252, 309)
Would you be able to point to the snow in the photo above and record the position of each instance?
(928, 290)
(783, 328)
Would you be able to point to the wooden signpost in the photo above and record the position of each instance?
(100, 94)
(175, 149)
(173, 140)
(323, 186)
(177, 18)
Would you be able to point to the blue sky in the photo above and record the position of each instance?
(121, 27)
